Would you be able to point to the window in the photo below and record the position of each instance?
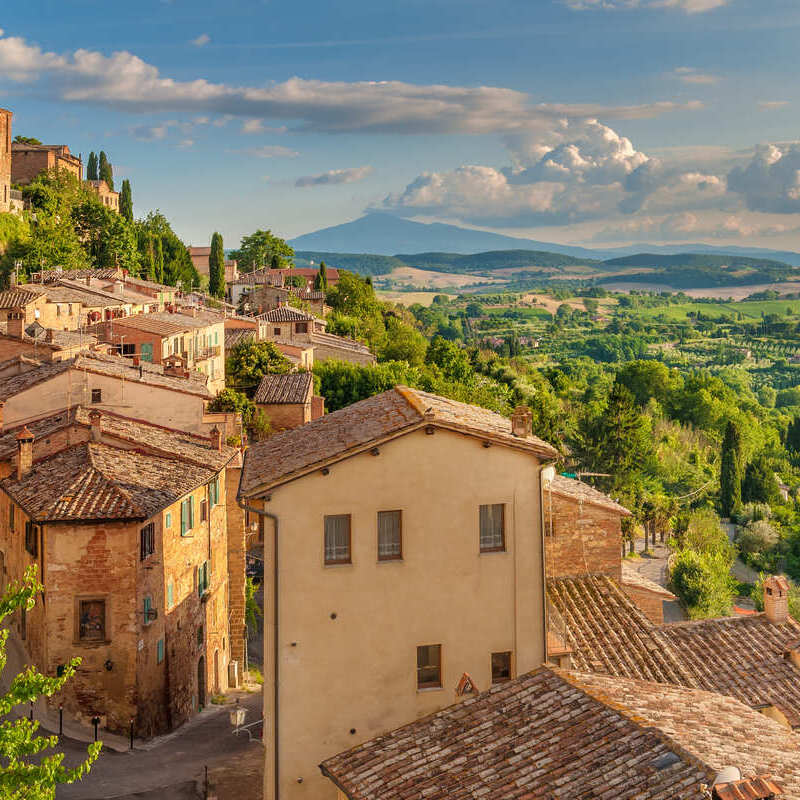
(337, 539)
(92, 620)
(429, 666)
(31, 538)
(390, 535)
(170, 594)
(301, 327)
(148, 615)
(492, 536)
(203, 578)
(168, 520)
(160, 651)
(501, 667)
(147, 541)
(276, 331)
(187, 515)
(203, 510)
(128, 349)
(11, 515)
(200, 636)
(213, 492)
(97, 395)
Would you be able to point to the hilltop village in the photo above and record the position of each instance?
(209, 445)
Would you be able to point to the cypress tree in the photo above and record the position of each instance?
(321, 281)
(126, 201)
(730, 477)
(91, 167)
(159, 261)
(150, 258)
(104, 170)
(793, 435)
(216, 267)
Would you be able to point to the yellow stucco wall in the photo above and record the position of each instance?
(358, 671)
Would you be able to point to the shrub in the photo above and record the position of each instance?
(756, 537)
(753, 512)
(703, 582)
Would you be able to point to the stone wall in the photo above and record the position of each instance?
(285, 416)
(581, 538)
(651, 604)
(237, 552)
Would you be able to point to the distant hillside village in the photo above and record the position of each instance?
(449, 609)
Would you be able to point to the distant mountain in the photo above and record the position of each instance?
(493, 259)
(384, 234)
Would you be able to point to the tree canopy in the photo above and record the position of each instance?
(258, 250)
(216, 267)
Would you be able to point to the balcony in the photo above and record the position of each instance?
(204, 353)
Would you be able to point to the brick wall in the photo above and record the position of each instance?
(27, 164)
(650, 603)
(237, 551)
(581, 538)
(5, 160)
(287, 415)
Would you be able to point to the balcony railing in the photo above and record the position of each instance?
(207, 352)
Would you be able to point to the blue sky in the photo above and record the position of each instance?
(581, 121)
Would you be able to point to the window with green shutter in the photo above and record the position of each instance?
(148, 607)
(170, 594)
(160, 651)
(187, 515)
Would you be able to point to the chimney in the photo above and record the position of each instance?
(776, 599)
(16, 324)
(522, 422)
(94, 420)
(24, 452)
(216, 438)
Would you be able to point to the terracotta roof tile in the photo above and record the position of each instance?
(287, 314)
(152, 323)
(16, 298)
(382, 416)
(577, 490)
(608, 634)
(235, 335)
(742, 657)
(294, 387)
(341, 342)
(94, 481)
(54, 275)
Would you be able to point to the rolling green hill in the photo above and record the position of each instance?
(493, 259)
(697, 260)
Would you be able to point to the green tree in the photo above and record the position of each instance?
(252, 611)
(759, 484)
(24, 773)
(730, 477)
(321, 281)
(26, 139)
(257, 250)
(403, 343)
(251, 360)
(92, 167)
(216, 267)
(171, 258)
(104, 170)
(793, 435)
(126, 201)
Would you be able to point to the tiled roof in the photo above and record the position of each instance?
(66, 292)
(352, 429)
(742, 657)
(112, 366)
(59, 339)
(286, 314)
(95, 481)
(609, 634)
(294, 387)
(155, 439)
(16, 298)
(152, 323)
(235, 335)
(161, 287)
(567, 487)
(538, 737)
(719, 731)
(553, 735)
(189, 317)
(342, 342)
(53, 275)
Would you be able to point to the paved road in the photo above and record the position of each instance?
(171, 765)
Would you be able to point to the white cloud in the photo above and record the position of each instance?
(694, 76)
(254, 126)
(770, 182)
(688, 6)
(772, 105)
(124, 81)
(335, 176)
(202, 40)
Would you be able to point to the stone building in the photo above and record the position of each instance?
(107, 196)
(5, 159)
(130, 542)
(30, 160)
(288, 400)
(201, 260)
(407, 527)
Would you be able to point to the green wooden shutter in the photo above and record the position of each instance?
(191, 512)
(169, 594)
(184, 517)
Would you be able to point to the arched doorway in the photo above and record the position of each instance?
(201, 683)
(217, 687)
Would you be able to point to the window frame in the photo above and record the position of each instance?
(159, 651)
(335, 562)
(394, 556)
(32, 538)
(79, 638)
(435, 684)
(508, 655)
(187, 523)
(97, 396)
(147, 541)
(493, 549)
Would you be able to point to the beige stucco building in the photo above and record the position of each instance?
(404, 552)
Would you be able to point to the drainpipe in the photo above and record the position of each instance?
(275, 649)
